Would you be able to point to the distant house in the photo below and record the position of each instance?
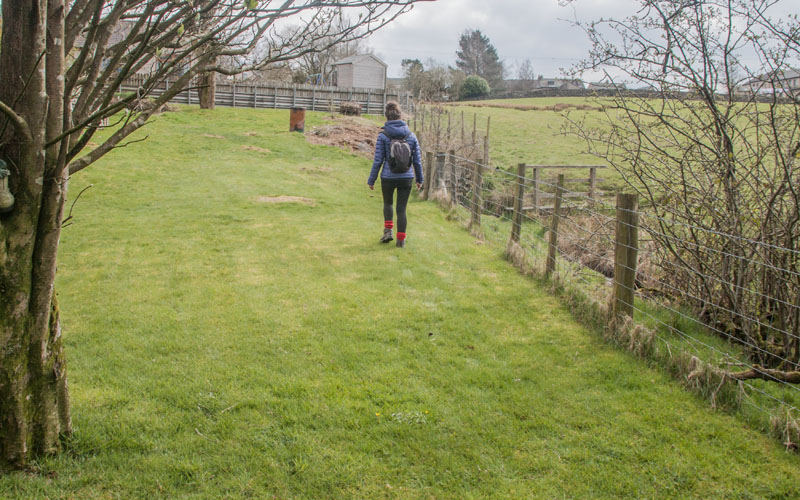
(542, 83)
(557, 83)
(605, 86)
(363, 72)
(783, 82)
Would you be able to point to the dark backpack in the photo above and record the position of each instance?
(399, 155)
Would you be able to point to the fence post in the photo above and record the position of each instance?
(440, 173)
(448, 127)
(462, 129)
(553, 250)
(453, 178)
(275, 101)
(428, 179)
(535, 190)
(474, 128)
(592, 182)
(233, 96)
(477, 191)
(313, 99)
(626, 254)
(516, 224)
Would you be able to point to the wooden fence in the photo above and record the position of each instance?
(277, 95)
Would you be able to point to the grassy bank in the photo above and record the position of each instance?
(224, 342)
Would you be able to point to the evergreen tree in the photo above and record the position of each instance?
(479, 57)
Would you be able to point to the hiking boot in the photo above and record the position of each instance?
(387, 235)
(401, 244)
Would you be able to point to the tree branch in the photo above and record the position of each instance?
(761, 373)
(19, 123)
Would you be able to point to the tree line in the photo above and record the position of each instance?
(478, 71)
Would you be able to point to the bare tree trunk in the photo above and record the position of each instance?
(34, 400)
(208, 89)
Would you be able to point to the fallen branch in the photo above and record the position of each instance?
(766, 374)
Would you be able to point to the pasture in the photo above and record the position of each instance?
(234, 330)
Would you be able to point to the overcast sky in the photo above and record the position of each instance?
(518, 29)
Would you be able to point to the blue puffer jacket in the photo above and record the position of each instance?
(395, 129)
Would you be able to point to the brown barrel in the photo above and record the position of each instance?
(297, 120)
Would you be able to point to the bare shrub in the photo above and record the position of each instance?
(716, 167)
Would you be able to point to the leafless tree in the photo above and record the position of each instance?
(712, 150)
(61, 66)
(320, 62)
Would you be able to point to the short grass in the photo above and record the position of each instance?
(223, 347)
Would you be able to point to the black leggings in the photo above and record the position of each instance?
(403, 187)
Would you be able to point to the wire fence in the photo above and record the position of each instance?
(721, 310)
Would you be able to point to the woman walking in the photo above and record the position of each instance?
(396, 152)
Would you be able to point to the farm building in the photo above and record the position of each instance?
(363, 72)
(784, 81)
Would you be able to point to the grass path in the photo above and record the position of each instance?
(223, 347)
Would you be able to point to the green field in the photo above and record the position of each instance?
(538, 137)
(224, 346)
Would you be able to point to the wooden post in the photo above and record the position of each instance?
(553, 251)
(626, 254)
(592, 181)
(536, 190)
(294, 96)
(428, 179)
(474, 128)
(488, 124)
(369, 98)
(516, 224)
(453, 178)
(462, 129)
(477, 192)
(275, 101)
(448, 127)
(439, 128)
(486, 151)
(439, 174)
(233, 98)
(313, 99)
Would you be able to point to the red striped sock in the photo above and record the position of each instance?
(388, 224)
(401, 236)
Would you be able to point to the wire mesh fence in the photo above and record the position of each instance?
(730, 331)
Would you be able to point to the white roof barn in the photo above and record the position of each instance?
(362, 71)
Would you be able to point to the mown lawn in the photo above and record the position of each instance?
(225, 347)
